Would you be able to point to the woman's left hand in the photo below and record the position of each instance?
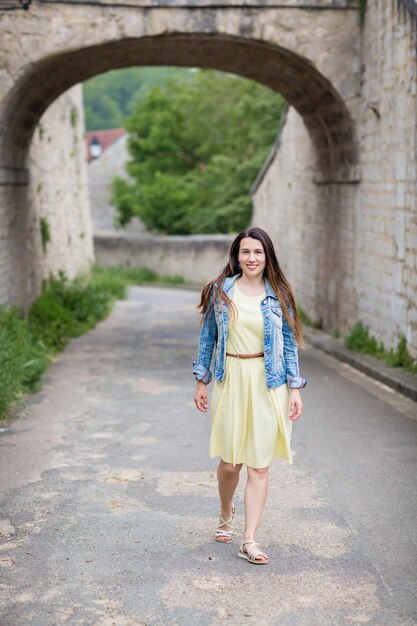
(296, 405)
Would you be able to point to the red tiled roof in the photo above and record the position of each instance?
(105, 137)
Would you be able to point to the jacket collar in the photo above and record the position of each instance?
(230, 281)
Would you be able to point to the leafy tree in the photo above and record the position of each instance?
(195, 150)
(110, 97)
(103, 113)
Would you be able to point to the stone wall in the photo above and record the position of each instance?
(196, 258)
(351, 250)
(386, 212)
(305, 220)
(286, 204)
(55, 203)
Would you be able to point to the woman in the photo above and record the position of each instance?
(250, 316)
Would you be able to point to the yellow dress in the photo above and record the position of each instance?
(249, 423)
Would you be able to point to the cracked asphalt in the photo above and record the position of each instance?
(108, 497)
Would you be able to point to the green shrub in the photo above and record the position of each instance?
(45, 232)
(74, 116)
(112, 282)
(22, 359)
(362, 11)
(401, 357)
(132, 276)
(13, 346)
(65, 309)
(360, 340)
(306, 319)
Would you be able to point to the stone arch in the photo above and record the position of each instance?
(312, 94)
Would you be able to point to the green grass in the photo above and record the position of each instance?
(65, 309)
(360, 340)
(140, 276)
(306, 320)
(22, 359)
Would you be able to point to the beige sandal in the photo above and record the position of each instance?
(252, 553)
(221, 535)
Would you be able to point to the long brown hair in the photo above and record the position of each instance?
(214, 290)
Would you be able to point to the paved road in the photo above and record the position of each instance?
(109, 497)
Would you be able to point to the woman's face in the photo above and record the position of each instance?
(251, 257)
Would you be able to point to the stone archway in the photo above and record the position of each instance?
(296, 50)
(324, 112)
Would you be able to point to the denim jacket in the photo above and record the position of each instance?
(280, 347)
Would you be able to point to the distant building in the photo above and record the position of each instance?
(98, 141)
(107, 157)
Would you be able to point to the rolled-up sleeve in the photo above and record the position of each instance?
(206, 343)
(292, 369)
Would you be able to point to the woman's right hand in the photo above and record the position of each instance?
(200, 397)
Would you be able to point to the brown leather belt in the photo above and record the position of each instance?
(245, 356)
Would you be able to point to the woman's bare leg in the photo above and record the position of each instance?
(228, 479)
(255, 497)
